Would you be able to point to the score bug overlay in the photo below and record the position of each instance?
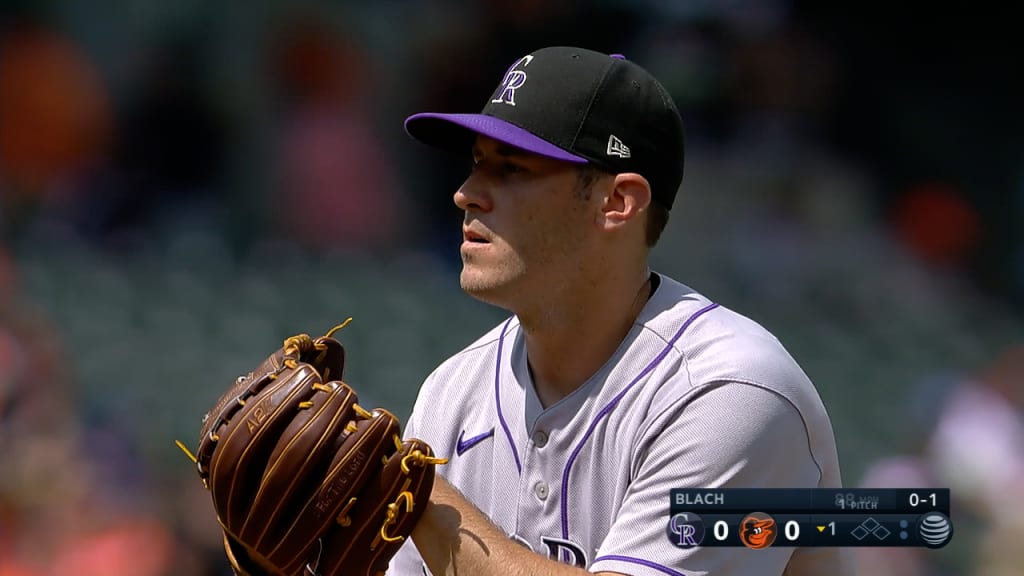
(760, 518)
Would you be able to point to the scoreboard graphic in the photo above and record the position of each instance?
(759, 518)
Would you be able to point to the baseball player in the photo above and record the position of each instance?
(567, 425)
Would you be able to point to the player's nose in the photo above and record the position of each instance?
(473, 196)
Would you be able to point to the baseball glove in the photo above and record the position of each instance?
(304, 481)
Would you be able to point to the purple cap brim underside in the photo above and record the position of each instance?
(497, 129)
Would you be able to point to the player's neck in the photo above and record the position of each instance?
(567, 343)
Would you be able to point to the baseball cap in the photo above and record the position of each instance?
(578, 106)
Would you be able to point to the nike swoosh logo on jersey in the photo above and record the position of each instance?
(466, 444)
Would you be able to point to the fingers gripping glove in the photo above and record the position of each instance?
(304, 481)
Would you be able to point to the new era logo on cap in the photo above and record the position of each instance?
(616, 147)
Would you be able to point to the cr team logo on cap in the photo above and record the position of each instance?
(513, 80)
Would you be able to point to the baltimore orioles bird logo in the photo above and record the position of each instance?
(757, 530)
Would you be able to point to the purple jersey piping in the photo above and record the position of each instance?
(647, 563)
(497, 398)
(610, 406)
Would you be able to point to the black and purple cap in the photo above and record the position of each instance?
(578, 106)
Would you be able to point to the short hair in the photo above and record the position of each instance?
(657, 214)
(586, 176)
(657, 219)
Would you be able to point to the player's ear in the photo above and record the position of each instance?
(626, 201)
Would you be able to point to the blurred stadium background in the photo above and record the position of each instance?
(182, 184)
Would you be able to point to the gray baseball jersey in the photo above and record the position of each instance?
(695, 396)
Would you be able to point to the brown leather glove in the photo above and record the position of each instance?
(304, 481)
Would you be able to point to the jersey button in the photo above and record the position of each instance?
(541, 490)
(540, 439)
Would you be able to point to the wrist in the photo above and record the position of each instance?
(454, 537)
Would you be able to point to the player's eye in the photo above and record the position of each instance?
(512, 168)
(496, 167)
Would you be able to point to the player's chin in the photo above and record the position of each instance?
(483, 282)
(475, 280)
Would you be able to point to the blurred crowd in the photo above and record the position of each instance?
(174, 176)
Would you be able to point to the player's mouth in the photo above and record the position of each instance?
(473, 237)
